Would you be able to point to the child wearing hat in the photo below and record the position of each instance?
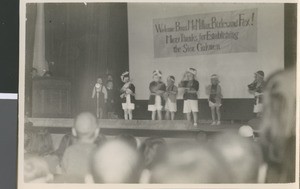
(214, 99)
(170, 98)
(127, 96)
(157, 89)
(256, 88)
(190, 97)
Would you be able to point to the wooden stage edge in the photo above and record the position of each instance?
(118, 124)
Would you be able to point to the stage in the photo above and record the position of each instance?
(141, 128)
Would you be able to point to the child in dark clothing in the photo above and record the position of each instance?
(100, 93)
(157, 89)
(127, 96)
(190, 97)
(111, 99)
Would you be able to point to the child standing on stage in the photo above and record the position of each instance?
(256, 88)
(112, 94)
(100, 92)
(127, 96)
(170, 98)
(190, 97)
(214, 99)
(157, 89)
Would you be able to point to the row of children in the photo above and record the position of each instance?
(164, 97)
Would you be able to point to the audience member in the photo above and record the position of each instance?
(69, 139)
(278, 129)
(189, 163)
(242, 157)
(75, 160)
(246, 131)
(152, 150)
(115, 161)
(129, 139)
(39, 142)
(36, 170)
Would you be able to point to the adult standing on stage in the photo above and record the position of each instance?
(190, 97)
(256, 88)
(100, 94)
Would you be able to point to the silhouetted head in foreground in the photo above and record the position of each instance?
(36, 170)
(86, 127)
(115, 162)
(278, 128)
(242, 156)
(152, 150)
(189, 163)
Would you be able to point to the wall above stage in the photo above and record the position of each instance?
(235, 69)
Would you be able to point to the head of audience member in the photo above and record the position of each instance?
(259, 76)
(189, 163)
(36, 170)
(115, 161)
(109, 84)
(40, 142)
(170, 80)
(152, 150)
(278, 127)
(99, 80)
(242, 157)
(129, 139)
(86, 127)
(246, 131)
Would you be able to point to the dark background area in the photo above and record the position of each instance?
(9, 46)
(9, 64)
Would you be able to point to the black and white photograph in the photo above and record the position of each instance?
(149, 93)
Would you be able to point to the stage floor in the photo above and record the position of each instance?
(138, 127)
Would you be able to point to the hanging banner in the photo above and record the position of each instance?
(201, 34)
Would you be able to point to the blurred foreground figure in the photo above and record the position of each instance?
(189, 163)
(242, 156)
(36, 170)
(278, 135)
(76, 158)
(115, 161)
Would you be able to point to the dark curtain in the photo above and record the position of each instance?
(82, 43)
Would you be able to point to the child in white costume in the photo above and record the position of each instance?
(190, 97)
(215, 99)
(127, 96)
(170, 98)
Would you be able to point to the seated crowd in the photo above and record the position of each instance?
(87, 156)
